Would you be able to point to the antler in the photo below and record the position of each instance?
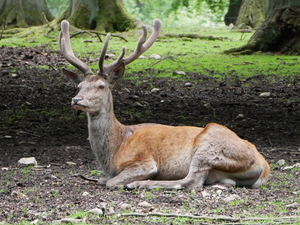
(66, 49)
(141, 47)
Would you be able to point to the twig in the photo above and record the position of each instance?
(3, 28)
(81, 32)
(85, 178)
(98, 34)
(284, 218)
(169, 58)
(47, 21)
(227, 218)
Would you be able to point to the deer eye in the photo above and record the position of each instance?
(101, 86)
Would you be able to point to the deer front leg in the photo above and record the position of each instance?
(137, 171)
(199, 170)
(194, 179)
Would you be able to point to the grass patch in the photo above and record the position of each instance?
(181, 54)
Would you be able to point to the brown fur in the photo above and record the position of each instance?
(171, 157)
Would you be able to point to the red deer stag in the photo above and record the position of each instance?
(156, 155)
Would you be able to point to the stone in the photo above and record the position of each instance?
(188, 84)
(154, 56)
(145, 204)
(231, 198)
(240, 116)
(281, 162)
(230, 26)
(86, 193)
(205, 194)
(71, 163)
(179, 73)
(97, 211)
(125, 206)
(28, 161)
(265, 94)
(155, 90)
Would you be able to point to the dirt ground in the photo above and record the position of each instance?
(37, 121)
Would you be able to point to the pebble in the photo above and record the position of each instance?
(86, 193)
(265, 94)
(188, 84)
(97, 211)
(179, 73)
(231, 198)
(155, 90)
(125, 206)
(281, 162)
(28, 161)
(145, 204)
(154, 56)
(240, 116)
(205, 194)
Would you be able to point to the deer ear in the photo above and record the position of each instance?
(72, 77)
(117, 74)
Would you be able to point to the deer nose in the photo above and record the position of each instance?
(76, 100)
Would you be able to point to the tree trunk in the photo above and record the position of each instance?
(24, 13)
(102, 15)
(280, 32)
(233, 11)
(252, 13)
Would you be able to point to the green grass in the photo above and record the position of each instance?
(188, 55)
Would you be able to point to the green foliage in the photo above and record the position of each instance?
(57, 7)
(179, 13)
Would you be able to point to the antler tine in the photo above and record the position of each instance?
(103, 53)
(142, 46)
(107, 68)
(66, 49)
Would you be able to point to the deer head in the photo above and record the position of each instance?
(95, 89)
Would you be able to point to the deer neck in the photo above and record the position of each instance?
(106, 134)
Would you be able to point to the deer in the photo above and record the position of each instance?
(150, 155)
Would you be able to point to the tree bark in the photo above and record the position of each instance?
(102, 15)
(252, 13)
(233, 11)
(24, 13)
(280, 32)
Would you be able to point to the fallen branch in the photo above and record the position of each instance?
(85, 178)
(82, 32)
(169, 58)
(226, 218)
(278, 219)
(98, 34)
